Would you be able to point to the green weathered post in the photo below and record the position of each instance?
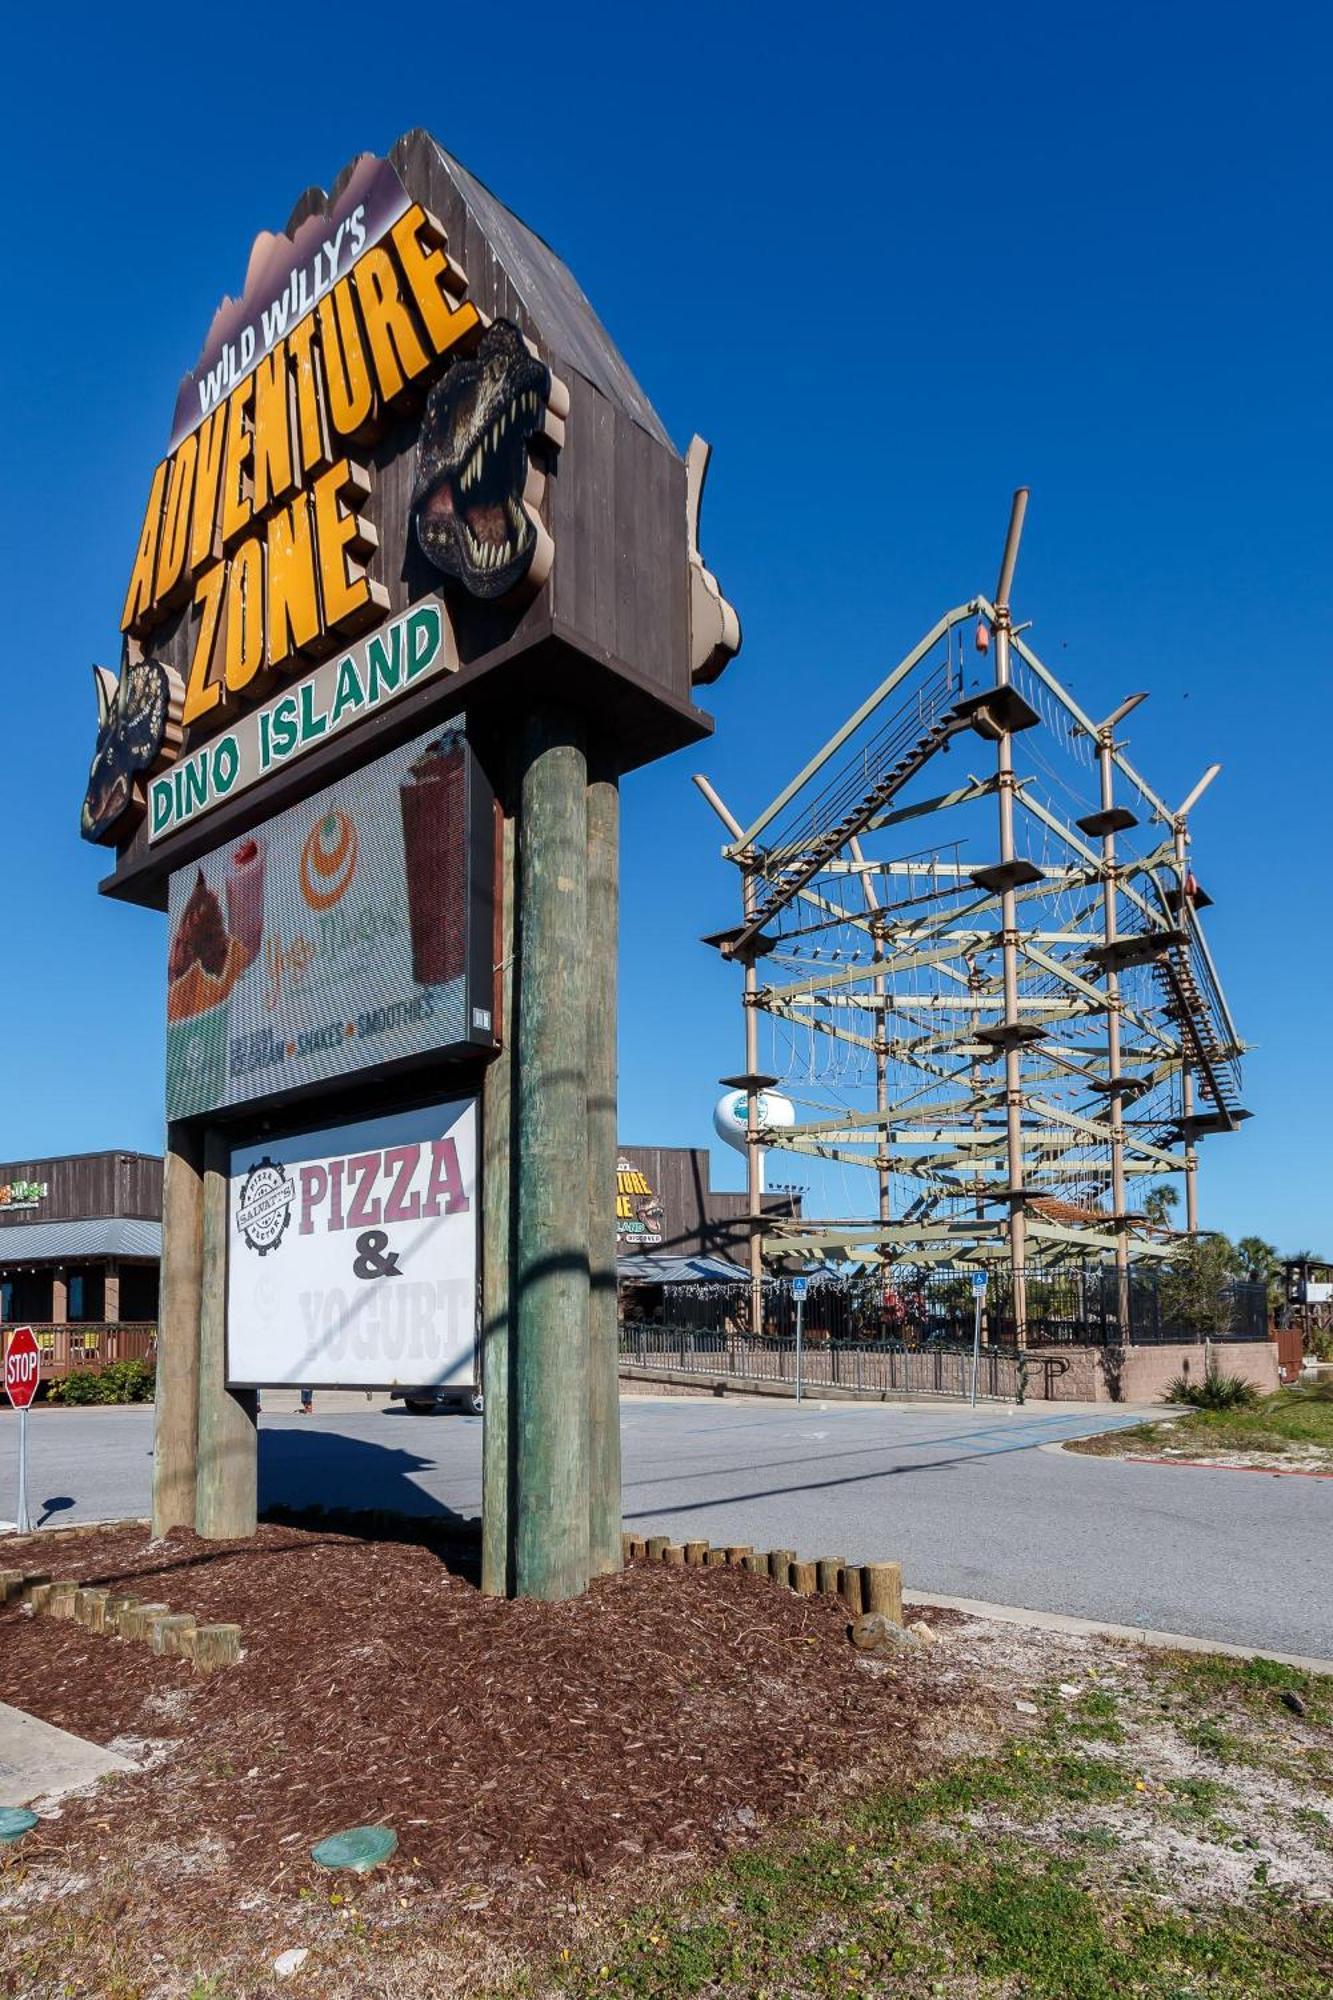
(226, 1496)
(176, 1412)
(551, 1178)
(497, 1324)
(603, 1335)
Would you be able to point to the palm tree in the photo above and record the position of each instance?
(1158, 1203)
(1263, 1264)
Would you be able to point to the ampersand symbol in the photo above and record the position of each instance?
(371, 1261)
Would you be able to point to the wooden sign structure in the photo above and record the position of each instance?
(413, 497)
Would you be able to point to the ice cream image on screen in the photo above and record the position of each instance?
(205, 958)
(245, 896)
(432, 797)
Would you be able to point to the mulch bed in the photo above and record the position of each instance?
(667, 1711)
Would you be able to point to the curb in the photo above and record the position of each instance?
(1092, 1628)
(81, 1527)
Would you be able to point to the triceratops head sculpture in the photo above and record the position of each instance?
(138, 730)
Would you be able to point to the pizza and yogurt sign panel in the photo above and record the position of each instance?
(352, 1254)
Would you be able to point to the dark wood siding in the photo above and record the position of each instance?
(87, 1184)
(697, 1221)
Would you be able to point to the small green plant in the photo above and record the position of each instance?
(1214, 1391)
(118, 1382)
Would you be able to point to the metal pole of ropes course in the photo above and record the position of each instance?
(752, 1191)
(750, 1082)
(1111, 821)
(1013, 1060)
(551, 1531)
(1186, 1073)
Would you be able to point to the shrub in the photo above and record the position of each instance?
(1214, 1391)
(119, 1382)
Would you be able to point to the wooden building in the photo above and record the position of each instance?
(666, 1206)
(80, 1246)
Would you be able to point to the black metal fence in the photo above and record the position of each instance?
(1078, 1306)
(863, 1366)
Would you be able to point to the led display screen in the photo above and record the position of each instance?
(346, 933)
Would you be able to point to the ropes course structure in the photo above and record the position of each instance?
(974, 932)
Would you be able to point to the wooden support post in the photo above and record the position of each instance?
(715, 1559)
(603, 807)
(675, 1555)
(136, 1618)
(851, 1589)
(882, 1590)
(657, 1547)
(165, 1635)
(829, 1570)
(695, 1554)
(60, 1599)
(804, 1579)
(176, 1404)
(551, 1553)
(227, 1479)
(92, 1609)
(756, 1564)
(779, 1564)
(213, 1646)
(498, 1430)
(737, 1552)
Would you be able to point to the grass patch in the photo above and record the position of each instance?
(936, 1887)
(1257, 1683)
(1293, 1419)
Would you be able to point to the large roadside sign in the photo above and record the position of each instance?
(23, 1367)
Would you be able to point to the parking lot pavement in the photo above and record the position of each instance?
(965, 1499)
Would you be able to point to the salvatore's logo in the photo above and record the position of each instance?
(328, 859)
(265, 1206)
(474, 506)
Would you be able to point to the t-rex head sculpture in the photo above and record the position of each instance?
(138, 722)
(472, 463)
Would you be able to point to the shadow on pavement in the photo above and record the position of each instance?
(325, 1479)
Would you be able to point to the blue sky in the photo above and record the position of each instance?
(892, 262)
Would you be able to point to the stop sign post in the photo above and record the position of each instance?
(23, 1372)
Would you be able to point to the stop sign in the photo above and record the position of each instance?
(22, 1367)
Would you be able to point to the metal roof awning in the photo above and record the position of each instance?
(65, 1242)
(679, 1271)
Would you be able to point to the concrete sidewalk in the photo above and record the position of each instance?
(38, 1761)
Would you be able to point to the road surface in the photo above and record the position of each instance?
(966, 1500)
